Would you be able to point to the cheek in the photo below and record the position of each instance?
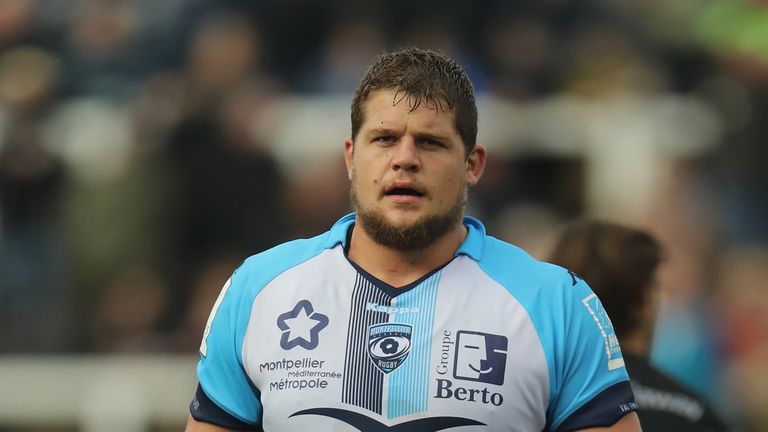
(363, 183)
(448, 189)
(453, 181)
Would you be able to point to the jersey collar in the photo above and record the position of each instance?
(472, 246)
(338, 232)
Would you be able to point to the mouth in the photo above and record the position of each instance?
(401, 190)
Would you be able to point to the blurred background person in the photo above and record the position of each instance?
(620, 264)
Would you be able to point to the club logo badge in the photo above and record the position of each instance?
(389, 345)
(480, 357)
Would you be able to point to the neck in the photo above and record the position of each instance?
(398, 267)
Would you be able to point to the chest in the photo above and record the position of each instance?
(328, 351)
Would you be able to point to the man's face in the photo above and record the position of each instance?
(409, 171)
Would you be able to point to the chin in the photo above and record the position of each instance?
(404, 219)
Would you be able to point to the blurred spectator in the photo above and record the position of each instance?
(225, 51)
(742, 301)
(128, 314)
(16, 17)
(204, 289)
(684, 217)
(521, 53)
(342, 60)
(226, 188)
(35, 298)
(739, 164)
(620, 264)
(102, 55)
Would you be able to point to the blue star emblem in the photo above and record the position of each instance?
(301, 326)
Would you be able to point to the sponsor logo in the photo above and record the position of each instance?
(446, 390)
(301, 326)
(362, 422)
(389, 345)
(445, 352)
(612, 349)
(480, 357)
(299, 374)
(574, 278)
(391, 310)
(286, 364)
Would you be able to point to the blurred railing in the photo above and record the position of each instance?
(96, 393)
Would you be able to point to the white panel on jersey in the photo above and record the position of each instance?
(489, 357)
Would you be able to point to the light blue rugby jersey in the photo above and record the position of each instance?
(302, 339)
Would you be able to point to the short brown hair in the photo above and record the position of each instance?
(617, 262)
(421, 77)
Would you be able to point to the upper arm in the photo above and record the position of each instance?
(220, 371)
(628, 423)
(196, 426)
(590, 384)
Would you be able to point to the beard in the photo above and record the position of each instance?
(407, 237)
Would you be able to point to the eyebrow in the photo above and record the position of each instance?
(389, 131)
(382, 131)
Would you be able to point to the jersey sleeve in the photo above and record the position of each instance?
(590, 385)
(220, 370)
(203, 409)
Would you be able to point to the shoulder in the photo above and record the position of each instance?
(258, 270)
(509, 265)
(233, 306)
(586, 376)
(267, 265)
(520, 273)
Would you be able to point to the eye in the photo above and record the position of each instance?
(431, 143)
(384, 139)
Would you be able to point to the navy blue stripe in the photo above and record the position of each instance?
(390, 290)
(363, 383)
(204, 410)
(603, 410)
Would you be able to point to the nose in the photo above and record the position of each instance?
(406, 156)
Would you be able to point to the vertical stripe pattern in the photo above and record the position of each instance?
(408, 385)
(363, 383)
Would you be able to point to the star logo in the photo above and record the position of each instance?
(301, 326)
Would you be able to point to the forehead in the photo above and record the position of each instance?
(392, 109)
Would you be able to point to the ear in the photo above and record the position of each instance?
(476, 164)
(349, 153)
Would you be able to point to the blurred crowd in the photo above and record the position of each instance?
(147, 147)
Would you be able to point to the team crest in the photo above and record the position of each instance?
(389, 345)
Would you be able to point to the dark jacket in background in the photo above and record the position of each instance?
(667, 406)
